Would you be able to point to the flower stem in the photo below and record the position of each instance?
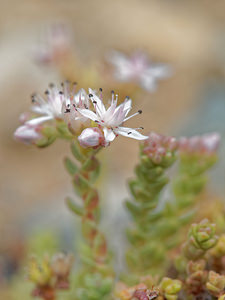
(84, 175)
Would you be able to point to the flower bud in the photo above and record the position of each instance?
(215, 283)
(170, 288)
(27, 134)
(61, 265)
(158, 147)
(91, 137)
(205, 144)
(201, 238)
(197, 276)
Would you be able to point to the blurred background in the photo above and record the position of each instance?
(188, 35)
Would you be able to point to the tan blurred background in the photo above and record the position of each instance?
(189, 35)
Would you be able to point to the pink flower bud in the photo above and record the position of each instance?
(207, 143)
(27, 134)
(92, 137)
(158, 146)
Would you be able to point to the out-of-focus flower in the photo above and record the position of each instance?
(40, 272)
(92, 137)
(112, 119)
(158, 146)
(138, 68)
(71, 116)
(55, 44)
(61, 265)
(205, 144)
(27, 134)
(59, 105)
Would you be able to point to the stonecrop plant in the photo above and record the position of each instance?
(170, 253)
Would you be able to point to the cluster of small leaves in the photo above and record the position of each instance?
(146, 251)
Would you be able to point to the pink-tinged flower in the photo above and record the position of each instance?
(55, 44)
(138, 68)
(206, 143)
(59, 104)
(27, 134)
(111, 120)
(92, 137)
(157, 146)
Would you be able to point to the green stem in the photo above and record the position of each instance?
(84, 174)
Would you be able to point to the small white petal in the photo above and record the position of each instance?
(37, 121)
(159, 71)
(123, 69)
(109, 134)
(129, 132)
(88, 114)
(100, 107)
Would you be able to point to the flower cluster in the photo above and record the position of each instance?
(139, 69)
(78, 111)
(158, 146)
(205, 144)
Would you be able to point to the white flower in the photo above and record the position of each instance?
(59, 105)
(27, 134)
(138, 68)
(55, 44)
(112, 119)
(92, 137)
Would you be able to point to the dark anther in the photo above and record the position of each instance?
(140, 111)
(46, 92)
(67, 110)
(60, 92)
(112, 92)
(100, 89)
(51, 85)
(94, 102)
(90, 95)
(129, 132)
(141, 127)
(127, 97)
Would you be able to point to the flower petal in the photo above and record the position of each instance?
(129, 132)
(99, 106)
(37, 121)
(109, 134)
(88, 114)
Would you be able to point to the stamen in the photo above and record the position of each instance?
(137, 113)
(67, 110)
(90, 95)
(47, 92)
(101, 97)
